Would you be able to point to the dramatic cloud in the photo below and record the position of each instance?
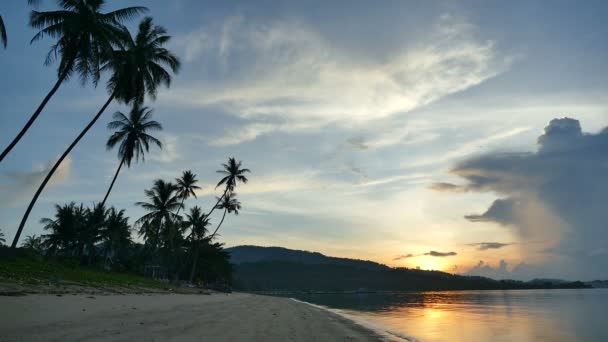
(22, 185)
(556, 195)
(283, 76)
(483, 246)
(440, 254)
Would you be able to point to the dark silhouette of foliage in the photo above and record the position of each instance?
(34, 243)
(230, 204)
(85, 38)
(163, 202)
(135, 71)
(186, 187)
(3, 37)
(2, 241)
(132, 135)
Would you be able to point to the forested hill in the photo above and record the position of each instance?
(251, 254)
(276, 268)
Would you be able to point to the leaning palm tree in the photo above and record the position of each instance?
(230, 204)
(85, 37)
(233, 175)
(135, 72)
(132, 134)
(163, 202)
(186, 185)
(3, 38)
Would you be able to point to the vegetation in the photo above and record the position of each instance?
(89, 42)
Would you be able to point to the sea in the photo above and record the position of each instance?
(455, 316)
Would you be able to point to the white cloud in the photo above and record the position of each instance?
(284, 76)
(170, 151)
(22, 185)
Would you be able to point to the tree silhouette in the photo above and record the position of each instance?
(163, 202)
(84, 38)
(116, 235)
(230, 204)
(132, 134)
(186, 185)
(197, 222)
(233, 175)
(2, 241)
(3, 38)
(64, 229)
(33, 242)
(135, 72)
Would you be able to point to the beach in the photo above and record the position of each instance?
(171, 317)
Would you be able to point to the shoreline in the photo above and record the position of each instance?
(175, 317)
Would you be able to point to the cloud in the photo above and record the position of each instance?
(22, 185)
(556, 194)
(404, 256)
(170, 151)
(483, 246)
(285, 76)
(440, 254)
(521, 271)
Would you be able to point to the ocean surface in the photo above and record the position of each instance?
(514, 315)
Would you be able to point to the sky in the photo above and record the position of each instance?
(468, 136)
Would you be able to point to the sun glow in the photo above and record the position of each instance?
(430, 263)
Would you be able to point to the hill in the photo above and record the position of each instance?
(282, 269)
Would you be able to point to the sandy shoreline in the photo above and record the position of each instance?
(171, 317)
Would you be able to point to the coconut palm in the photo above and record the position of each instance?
(132, 134)
(84, 38)
(197, 222)
(230, 204)
(135, 72)
(233, 175)
(33, 242)
(186, 185)
(163, 202)
(3, 38)
(116, 235)
(2, 241)
(64, 229)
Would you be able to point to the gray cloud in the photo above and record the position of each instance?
(557, 194)
(404, 256)
(440, 254)
(483, 246)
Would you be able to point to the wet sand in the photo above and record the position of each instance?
(171, 317)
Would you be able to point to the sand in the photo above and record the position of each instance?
(171, 317)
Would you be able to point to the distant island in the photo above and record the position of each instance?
(281, 269)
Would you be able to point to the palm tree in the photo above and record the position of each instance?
(33, 242)
(186, 185)
(85, 36)
(3, 38)
(230, 204)
(163, 202)
(133, 137)
(136, 71)
(2, 241)
(116, 235)
(197, 222)
(64, 229)
(233, 175)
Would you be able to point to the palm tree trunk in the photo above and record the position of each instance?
(218, 202)
(218, 226)
(113, 180)
(50, 174)
(34, 116)
(194, 264)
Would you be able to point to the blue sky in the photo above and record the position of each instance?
(348, 114)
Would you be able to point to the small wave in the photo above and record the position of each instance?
(388, 335)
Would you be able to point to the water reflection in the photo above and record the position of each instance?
(520, 315)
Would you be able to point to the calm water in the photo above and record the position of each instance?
(519, 315)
